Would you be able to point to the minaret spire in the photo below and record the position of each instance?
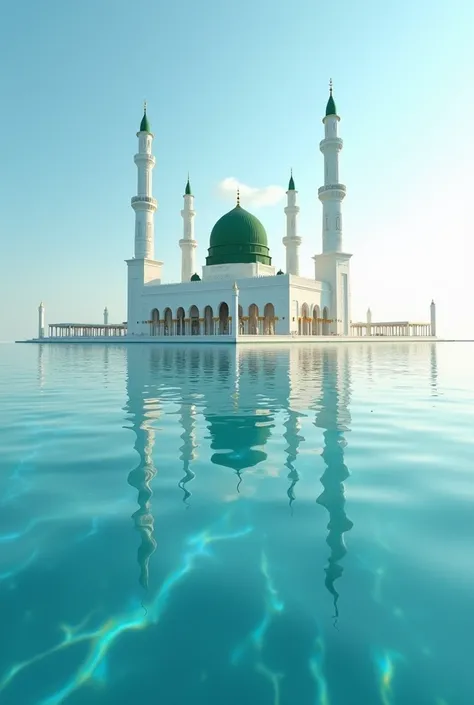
(143, 203)
(188, 244)
(292, 242)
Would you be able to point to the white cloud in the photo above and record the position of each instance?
(250, 195)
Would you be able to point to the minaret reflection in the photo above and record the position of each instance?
(238, 432)
(293, 396)
(188, 423)
(434, 370)
(293, 439)
(141, 412)
(335, 419)
(41, 366)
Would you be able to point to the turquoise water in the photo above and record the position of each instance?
(276, 526)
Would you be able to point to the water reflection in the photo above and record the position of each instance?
(434, 369)
(142, 475)
(334, 418)
(188, 422)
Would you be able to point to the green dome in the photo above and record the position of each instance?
(145, 124)
(195, 277)
(238, 237)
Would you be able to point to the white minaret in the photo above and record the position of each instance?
(433, 318)
(332, 266)
(332, 193)
(41, 320)
(188, 244)
(292, 242)
(106, 316)
(143, 203)
(369, 322)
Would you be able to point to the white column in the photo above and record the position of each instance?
(292, 242)
(369, 322)
(332, 193)
(143, 203)
(235, 311)
(41, 320)
(188, 244)
(106, 316)
(433, 318)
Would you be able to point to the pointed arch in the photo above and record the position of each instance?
(223, 319)
(155, 322)
(194, 320)
(180, 321)
(168, 322)
(253, 319)
(269, 319)
(316, 323)
(208, 321)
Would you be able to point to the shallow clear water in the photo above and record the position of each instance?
(276, 526)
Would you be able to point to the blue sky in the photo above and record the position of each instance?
(235, 90)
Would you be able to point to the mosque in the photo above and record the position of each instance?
(239, 294)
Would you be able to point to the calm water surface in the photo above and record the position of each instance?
(282, 526)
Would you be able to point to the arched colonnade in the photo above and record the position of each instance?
(212, 322)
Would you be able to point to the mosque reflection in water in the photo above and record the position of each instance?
(239, 394)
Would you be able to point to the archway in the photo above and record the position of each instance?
(194, 317)
(253, 319)
(269, 320)
(223, 319)
(208, 321)
(316, 321)
(241, 320)
(325, 321)
(180, 321)
(155, 322)
(305, 319)
(168, 317)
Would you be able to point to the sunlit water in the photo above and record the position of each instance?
(277, 526)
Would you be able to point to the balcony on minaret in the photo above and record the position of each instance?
(331, 142)
(144, 202)
(332, 191)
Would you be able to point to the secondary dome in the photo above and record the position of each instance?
(238, 237)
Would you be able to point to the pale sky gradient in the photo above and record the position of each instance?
(236, 93)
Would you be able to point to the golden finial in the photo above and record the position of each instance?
(238, 197)
(330, 86)
(144, 106)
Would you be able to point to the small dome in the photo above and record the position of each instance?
(280, 272)
(238, 237)
(195, 277)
